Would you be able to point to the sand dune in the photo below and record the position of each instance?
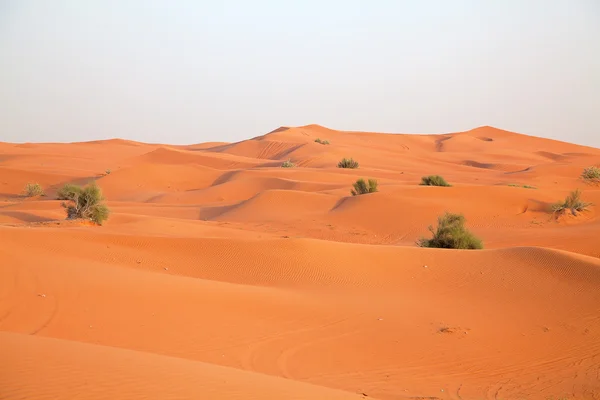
(221, 275)
(71, 369)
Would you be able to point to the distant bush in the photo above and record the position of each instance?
(572, 203)
(591, 174)
(321, 141)
(85, 203)
(362, 187)
(33, 189)
(522, 186)
(451, 234)
(288, 164)
(434, 180)
(348, 163)
(108, 171)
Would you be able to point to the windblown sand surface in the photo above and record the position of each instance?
(221, 275)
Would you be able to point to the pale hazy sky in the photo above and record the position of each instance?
(223, 70)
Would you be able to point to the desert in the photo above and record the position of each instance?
(248, 270)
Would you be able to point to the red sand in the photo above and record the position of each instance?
(221, 275)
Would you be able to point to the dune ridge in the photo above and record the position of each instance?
(222, 275)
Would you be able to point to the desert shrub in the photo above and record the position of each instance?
(67, 192)
(288, 164)
(434, 180)
(348, 163)
(33, 189)
(591, 174)
(451, 234)
(572, 203)
(108, 171)
(521, 186)
(85, 203)
(317, 140)
(362, 187)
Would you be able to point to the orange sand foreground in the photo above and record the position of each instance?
(221, 275)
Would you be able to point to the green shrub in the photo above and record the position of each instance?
(99, 213)
(434, 180)
(348, 163)
(33, 189)
(67, 192)
(451, 234)
(591, 174)
(317, 140)
(572, 203)
(85, 203)
(362, 187)
(288, 164)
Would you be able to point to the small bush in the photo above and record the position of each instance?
(108, 171)
(67, 192)
(362, 187)
(591, 174)
(434, 180)
(348, 163)
(85, 203)
(288, 164)
(521, 186)
(451, 234)
(572, 203)
(317, 140)
(33, 189)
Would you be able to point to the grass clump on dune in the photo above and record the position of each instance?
(362, 187)
(571, 203)
(85, 203)
(288, 164)
(591, 174)
(317, 140)
(348, 163)
(434, 180)
(33, 190)
(451, 234)
(521, 186)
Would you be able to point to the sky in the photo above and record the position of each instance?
(185, 72)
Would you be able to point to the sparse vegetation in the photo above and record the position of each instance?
(348, 163)
(451, 234)
(591, 174)
(317, 140)
(108, 171)
(571, 203)
(362, 187)
(33, 190)
(521, 186)
(434, 180)
(288, 164)
(85, 203)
